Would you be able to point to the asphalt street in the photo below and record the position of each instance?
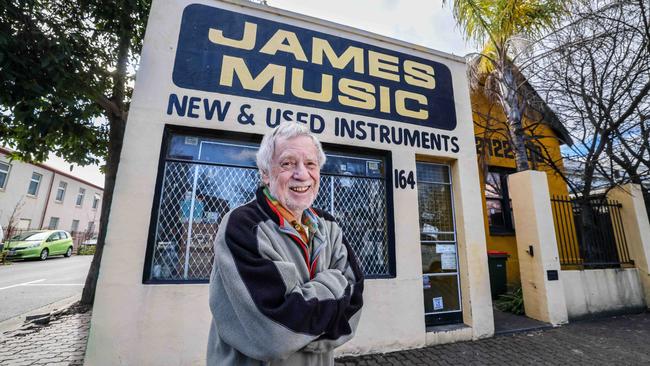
(29, 285)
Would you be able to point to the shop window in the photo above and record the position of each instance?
(497, 201)
(204, 178)
(60, 191)
(34, 183)
(4, 174)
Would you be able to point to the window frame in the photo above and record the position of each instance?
(73, 227)
(38, 184)
(80, 194)
(60, 188)
(56, 221)
(254, 138)
(508, 227)
(96, 200)
(386, 155)
(6, 172)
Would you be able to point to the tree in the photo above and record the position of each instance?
(12, 223)
(595, 74)
(500, 26)
(65, 85)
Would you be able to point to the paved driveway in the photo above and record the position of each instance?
(29, 285)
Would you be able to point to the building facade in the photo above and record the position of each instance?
(496, 162)
(396, 123)
(36, 196)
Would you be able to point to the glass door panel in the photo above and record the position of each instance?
(440, 294)
(440, 281)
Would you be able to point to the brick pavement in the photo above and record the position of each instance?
(619, 340)
(62, 342)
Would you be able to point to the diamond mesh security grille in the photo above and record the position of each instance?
(195, 197)
(359, 205)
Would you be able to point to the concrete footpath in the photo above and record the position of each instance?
(621, 340)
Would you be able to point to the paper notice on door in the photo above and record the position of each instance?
(448, 260)
(445, 248)
(426, 283)
(437, 303)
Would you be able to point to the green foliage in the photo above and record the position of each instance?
(495, 25)
(503, 28)
(3, 259)
(86, 250)
(512, 302)
(59, 69)
(63, 64)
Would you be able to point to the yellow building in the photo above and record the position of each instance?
(496, 161)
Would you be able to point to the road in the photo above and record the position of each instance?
(29, 285)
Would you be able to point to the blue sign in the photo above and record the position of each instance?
(232, 53)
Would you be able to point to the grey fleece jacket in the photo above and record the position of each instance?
(267, 308)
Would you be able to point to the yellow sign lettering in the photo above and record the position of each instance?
(418, 74)
(292, 45)
(246, 43)
(322, 47)
(400, 104)
(357, 94)
(232, 66)
(383, 65)
(297, 88)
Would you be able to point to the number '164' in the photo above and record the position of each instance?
(404, 179)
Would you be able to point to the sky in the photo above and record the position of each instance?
(422, 22)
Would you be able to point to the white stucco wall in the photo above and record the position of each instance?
(143, 324)
(43, 206)
(67, 210)
(602, 291)
(14, 195)
(531, 207)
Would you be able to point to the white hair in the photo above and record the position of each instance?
(286, 130)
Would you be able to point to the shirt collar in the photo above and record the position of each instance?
(308, 216)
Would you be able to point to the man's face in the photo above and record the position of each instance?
(295, 173)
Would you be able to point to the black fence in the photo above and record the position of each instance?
(590, 232)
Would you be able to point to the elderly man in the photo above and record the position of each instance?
(286, 288)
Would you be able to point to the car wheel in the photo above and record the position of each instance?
(68, 252)
(44, 254)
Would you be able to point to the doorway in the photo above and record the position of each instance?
(438, 245)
